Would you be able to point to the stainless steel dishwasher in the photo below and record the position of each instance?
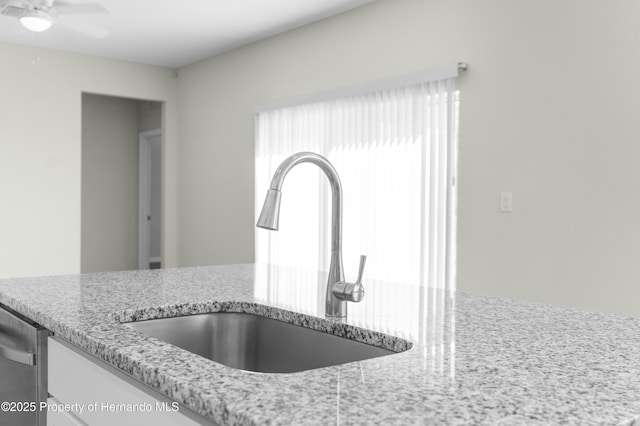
(23, 370)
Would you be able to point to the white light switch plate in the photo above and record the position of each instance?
(506, 202)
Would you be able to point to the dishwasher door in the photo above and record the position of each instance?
(23, 370)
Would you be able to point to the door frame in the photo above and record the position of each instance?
(144, 195)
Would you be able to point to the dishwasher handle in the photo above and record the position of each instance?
(22, 357)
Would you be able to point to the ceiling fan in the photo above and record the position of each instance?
(40, 15)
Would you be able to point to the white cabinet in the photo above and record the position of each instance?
(61, 418)
(87, 391)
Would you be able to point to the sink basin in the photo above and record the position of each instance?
(256, 343)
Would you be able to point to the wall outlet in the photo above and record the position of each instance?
(506, 202)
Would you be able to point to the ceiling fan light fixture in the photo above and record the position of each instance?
(35, 23)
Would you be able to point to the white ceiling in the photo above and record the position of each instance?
(175, 33)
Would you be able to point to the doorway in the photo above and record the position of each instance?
(110, 207)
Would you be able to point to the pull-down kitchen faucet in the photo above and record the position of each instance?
(338, 291)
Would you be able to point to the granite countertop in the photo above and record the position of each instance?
(475, 360)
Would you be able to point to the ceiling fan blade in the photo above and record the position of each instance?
(66, 8)
(82, 28)
(16, 8)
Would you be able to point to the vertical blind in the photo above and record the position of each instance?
(395, 152)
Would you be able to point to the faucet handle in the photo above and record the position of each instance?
(351, 292)
(363, 261)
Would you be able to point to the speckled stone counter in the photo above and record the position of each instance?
(475, 360)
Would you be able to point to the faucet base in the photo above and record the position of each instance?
(334, 307)
(339, 314)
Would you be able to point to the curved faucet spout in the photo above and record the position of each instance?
(269, 217)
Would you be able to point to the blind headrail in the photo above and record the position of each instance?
(420, 77)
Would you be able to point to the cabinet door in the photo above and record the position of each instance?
(98, 394)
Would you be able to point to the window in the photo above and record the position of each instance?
(395, 152)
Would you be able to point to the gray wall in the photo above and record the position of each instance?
(548, 112)
(109, 183)
(40, 152)
(150, 115)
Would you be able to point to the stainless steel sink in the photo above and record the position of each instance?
(255, 343)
